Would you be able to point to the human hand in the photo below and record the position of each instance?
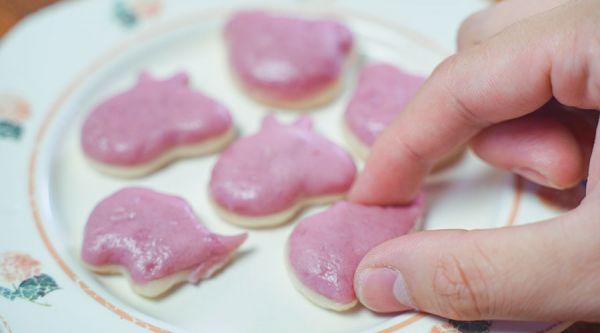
(499, 93)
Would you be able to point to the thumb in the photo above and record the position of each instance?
(544, 271)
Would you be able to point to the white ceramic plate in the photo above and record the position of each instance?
(253, 293)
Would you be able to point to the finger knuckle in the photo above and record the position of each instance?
(451, 76)
(412, 152)
(469, 31)
(448, 73)
(575, 72)
(461, 287)
(444, 69)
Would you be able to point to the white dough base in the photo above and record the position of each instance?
(275, 219)
(318, 99)
(317, 298)
(362, 151)
(205, 147)
(156, 287)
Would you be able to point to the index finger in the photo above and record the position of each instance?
(504, 78)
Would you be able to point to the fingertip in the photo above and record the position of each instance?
(387, 179)
(371, 189)
(380, 281)
(382, 290)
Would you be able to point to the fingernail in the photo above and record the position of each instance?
(383, 289)
(532, 175)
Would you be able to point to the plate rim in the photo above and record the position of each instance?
(147, 35)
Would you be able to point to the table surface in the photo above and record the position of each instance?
(12, 11)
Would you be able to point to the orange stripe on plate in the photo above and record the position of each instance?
(403, 323)
(518, 186)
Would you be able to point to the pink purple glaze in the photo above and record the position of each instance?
(153, 235)
(272, 170)
(382, 92)
(284, 57)
(140, 124)
(325, 249)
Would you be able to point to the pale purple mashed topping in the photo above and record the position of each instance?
(286, 57)
(153, 235)
(326, 248)
(272, 170)
(381, 94)
(138, 125)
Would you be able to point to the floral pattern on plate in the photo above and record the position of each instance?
(130, 12)
(23, 274)
(14, 110)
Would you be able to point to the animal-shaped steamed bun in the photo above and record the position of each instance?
(325, 249)
(153, 123)
(267, 178)
(382, 92)
(288, 61)
(155, 239)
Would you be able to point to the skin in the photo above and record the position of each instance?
(524, 91)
